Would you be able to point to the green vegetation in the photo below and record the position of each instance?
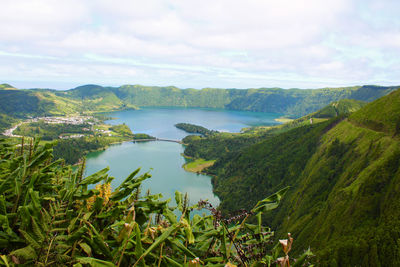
(192, 128)
(74, 141)
(6, 122)
(344, 176)
(51, 131)
(220, 145)
(74, 149)
(142, 136)
(90, 99)
(343, 169)
(50, 217)
(122, 130)
(382, 115)
(198, 165)
(6, 86)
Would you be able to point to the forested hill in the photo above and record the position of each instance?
(344, 174)
(291, 102)
(93, 98)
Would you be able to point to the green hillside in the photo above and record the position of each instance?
(345, 183)
(221, 145)
(20, 103)
(5, 122)
(93, 98)
(381, 115)
(6, 86)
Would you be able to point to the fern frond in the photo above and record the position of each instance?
(37, 230)
(26, 253)
(31, 241)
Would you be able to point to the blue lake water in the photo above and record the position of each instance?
(163, 159)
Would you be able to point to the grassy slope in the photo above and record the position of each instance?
(345, 180)
(198, 165)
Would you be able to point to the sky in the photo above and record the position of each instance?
(196, 44)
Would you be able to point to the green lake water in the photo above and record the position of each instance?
(163, 159)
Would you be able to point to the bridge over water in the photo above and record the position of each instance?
(158, 139)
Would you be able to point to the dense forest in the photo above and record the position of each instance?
(344, 176)
(192, 128)
(74, 149)
(51, 216)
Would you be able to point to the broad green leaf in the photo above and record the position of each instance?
(270, 202)
(127, 179)
(95, 177)
(179, 200)
(182, 247)
(161, 239)
(86, 248)
(4, 259)
(138, 246)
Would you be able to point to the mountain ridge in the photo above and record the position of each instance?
(292, 103)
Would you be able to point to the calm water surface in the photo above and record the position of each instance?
(163, 159)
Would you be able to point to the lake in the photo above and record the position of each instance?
(163, 159)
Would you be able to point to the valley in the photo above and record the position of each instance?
(340, 161)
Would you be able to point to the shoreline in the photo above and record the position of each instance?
(283, 120)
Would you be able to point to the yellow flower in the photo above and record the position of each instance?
(104, 192)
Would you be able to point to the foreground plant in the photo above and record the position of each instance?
(51, 216)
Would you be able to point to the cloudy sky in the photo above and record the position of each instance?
(208, 43)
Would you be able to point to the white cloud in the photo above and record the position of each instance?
(202, 43)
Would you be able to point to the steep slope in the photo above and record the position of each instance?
(344, 175)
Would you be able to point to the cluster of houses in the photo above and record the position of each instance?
(65, 120)
(77, 120)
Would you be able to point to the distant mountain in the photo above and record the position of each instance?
(344, 174)
(94, 98)
(6, 86)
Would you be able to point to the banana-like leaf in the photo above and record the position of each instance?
(270, 202)
(188, 231)
(86, 248)
(128, 179)
(161, 239)
(95, 177)
(5, 261)
(138, 247)
(182, 247)
(171, 262)
(179, 200)
(224, 249)
(127, 187)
